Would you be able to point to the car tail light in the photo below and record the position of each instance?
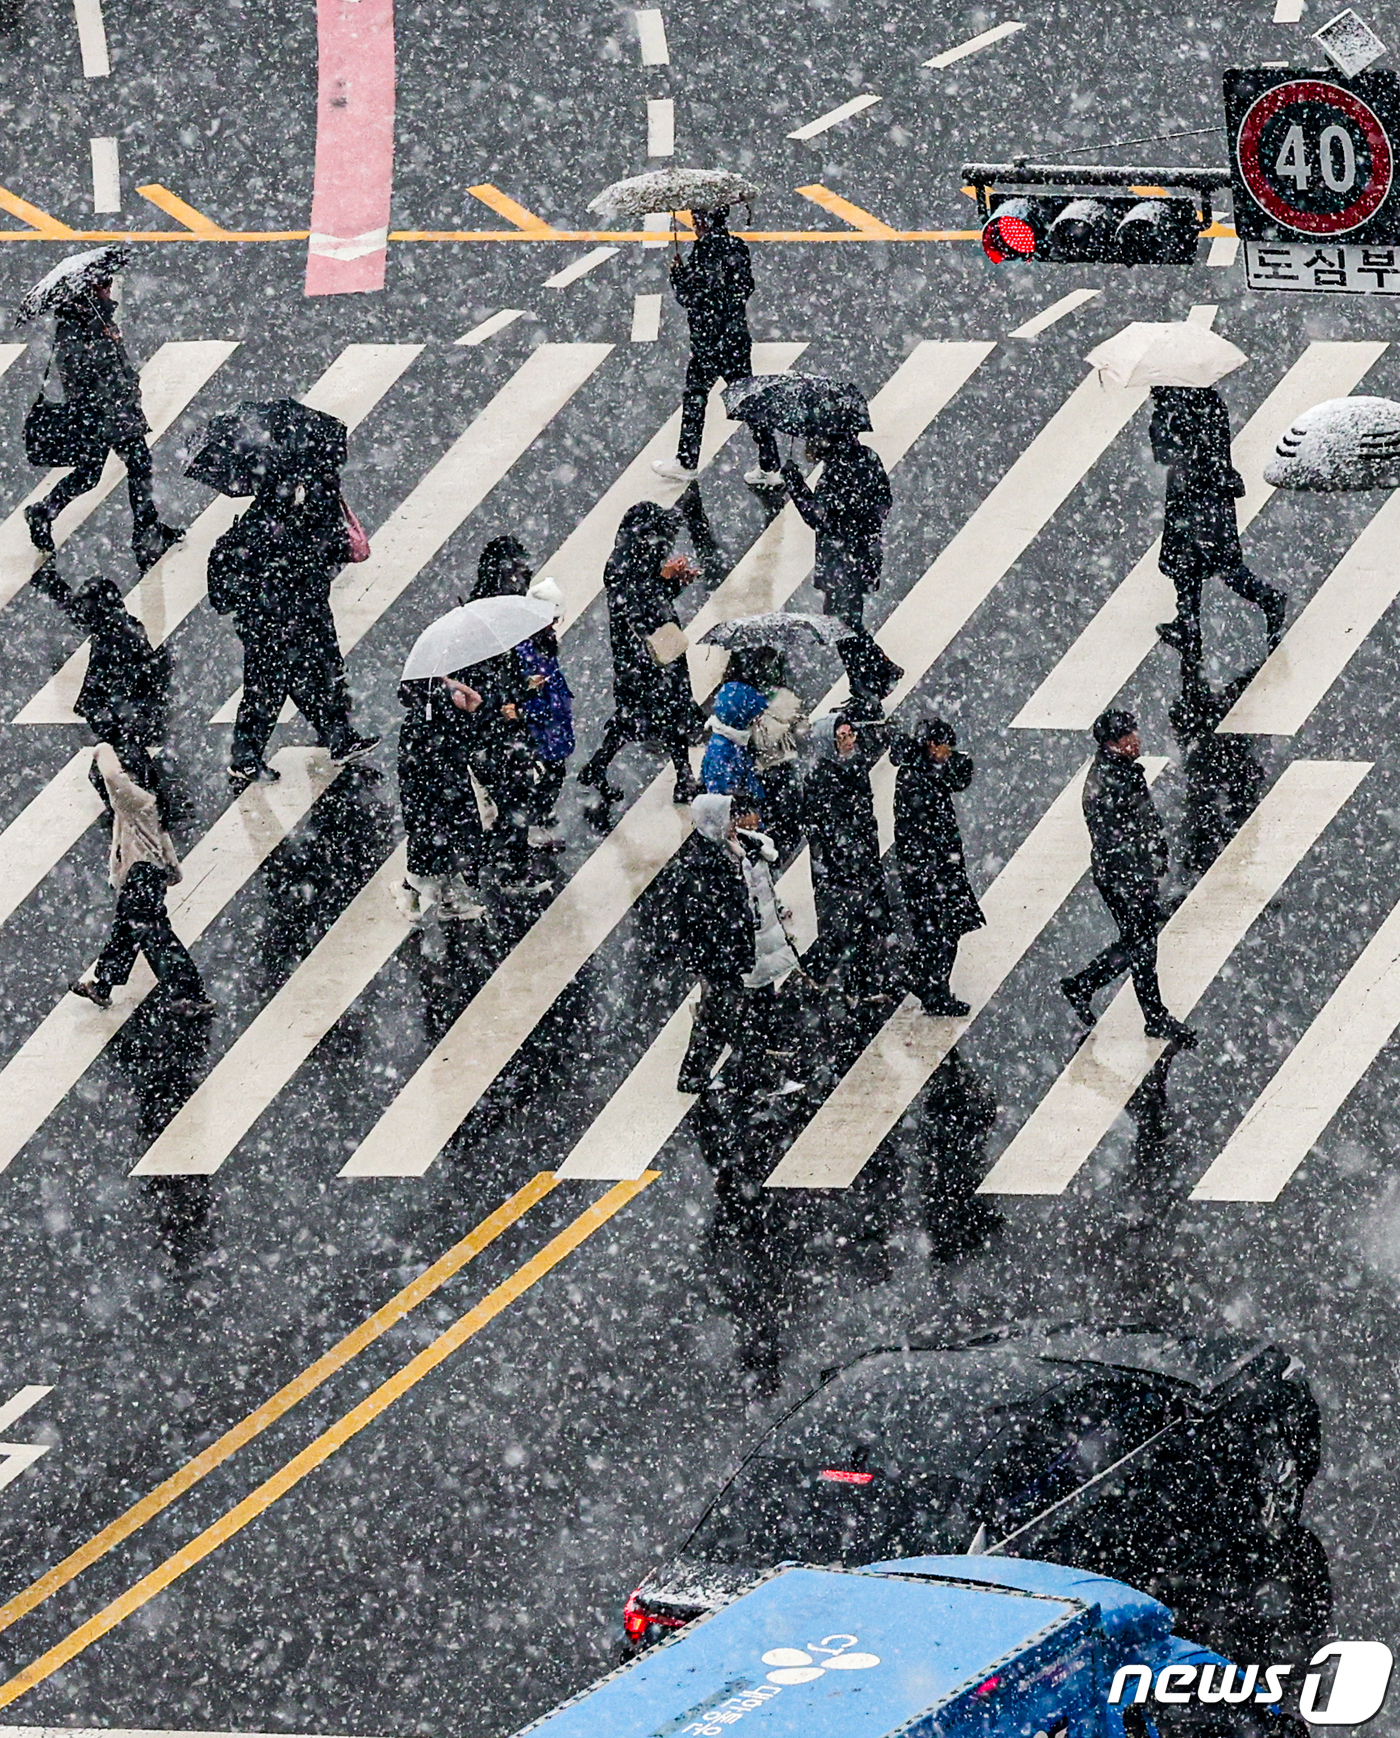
(637, 1620)
(838, 1477)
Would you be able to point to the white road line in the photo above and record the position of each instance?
(578, 562)
(579, 268)
(92, 38)
(65, 1044)
(18, 1457)
(835, 116)
(16, 1408)
(1288, 11)
(1124, 630)
(1224, 250)
(974, 44)
(904, 1055)
(1327, 634)
(1203, 313)
(1078, 1110)
(9, 355)
(169, 381)
(646, 319)
(1033, 327)
(777, 563)
(431, 1107)
(661, 127)
(651, 36)
(350, 388)
(500, 434)
(106, 175)
(1315, 1079)
(45, 830)
(658, 224)
(489, 327)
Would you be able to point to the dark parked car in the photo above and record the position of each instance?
(1137, 1453)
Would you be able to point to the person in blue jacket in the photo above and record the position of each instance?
(728, 767)
(549, 714)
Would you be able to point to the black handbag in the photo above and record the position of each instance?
(53, 435)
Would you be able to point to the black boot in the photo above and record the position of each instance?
(1275, 607)
(40, 522)
(941, 1003)
(149, 545)
(1080, 999)
(1162, 1025)
(597, 776)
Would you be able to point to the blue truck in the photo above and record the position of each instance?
(926, 1647)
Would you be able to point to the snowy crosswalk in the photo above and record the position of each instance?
(256, 1065)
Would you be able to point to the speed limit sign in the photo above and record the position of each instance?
(1313, 157)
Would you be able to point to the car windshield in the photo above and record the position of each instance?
(905, 1429)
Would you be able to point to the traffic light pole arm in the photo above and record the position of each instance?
(1020, 173)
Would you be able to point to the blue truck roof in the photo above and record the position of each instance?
(923, 1646)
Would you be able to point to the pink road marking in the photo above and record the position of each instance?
(354, 147)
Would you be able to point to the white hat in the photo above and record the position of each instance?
(547, 591)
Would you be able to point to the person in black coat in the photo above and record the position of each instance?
(503, 569)
(446, 842)
(272, 571)
(854, 924)
(713, 286)
(938, 898)
(104, 389)
(713, 933)
(650, 700)
(126, 688)
(504, 761)
(1190, 434)
(1128, 857)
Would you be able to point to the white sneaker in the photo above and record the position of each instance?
(758, 478)
(544, 839)
(674, 471)
(414, 903)
(458, 901)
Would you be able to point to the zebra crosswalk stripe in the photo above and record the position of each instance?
(161, 599)
(48, 826)
(1314, 1080)
(1073, 1117)
(169, 381)
(1110, 648)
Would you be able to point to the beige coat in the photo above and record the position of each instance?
(137, 833)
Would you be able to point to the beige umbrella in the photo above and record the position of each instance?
(1165, 353)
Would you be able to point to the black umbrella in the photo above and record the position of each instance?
(798, 404)
(783, 630)
(275, 442)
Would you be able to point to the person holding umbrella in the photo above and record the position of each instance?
(446, 841)
(102, 403)
(651, 679)
(938, 898)
(713, 286)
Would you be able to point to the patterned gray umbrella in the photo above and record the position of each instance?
(783, 630)
(676, 189)
(80, 271)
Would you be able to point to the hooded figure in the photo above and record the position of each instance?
(272, 571)
(103, 392)
(713, 285)
(848, 884)
(143, 865)
(1190, 434)
(728, 767)
(502, 570)
(549, 713)
(125, 690)
(446, 842)
(938, 897)
(650, 699)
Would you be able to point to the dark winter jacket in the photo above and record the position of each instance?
(1190, 433)
(714, 926)
(838, 810)
(96, 372)
(639, 600)
(927, 840)
(274, 566)
(439, 808)
(1128, 846)
(549, 711)
(124, 693)
(713, 284)
(847, 511)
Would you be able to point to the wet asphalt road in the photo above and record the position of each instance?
(461, 1561)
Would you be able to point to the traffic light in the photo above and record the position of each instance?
(1074, 229)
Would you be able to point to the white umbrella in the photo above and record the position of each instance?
(676, 189)
(1166, 353)
(1343, 443)
(474, 632)
(77, 272)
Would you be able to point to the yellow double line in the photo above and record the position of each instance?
(325, 1445)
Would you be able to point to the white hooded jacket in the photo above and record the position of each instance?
(774, 955)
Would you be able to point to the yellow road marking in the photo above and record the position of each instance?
(280, 1403)
(325, 1445)
(513, 212)
(863, 222)
(194, 221)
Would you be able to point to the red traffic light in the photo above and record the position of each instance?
(1007, 236)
